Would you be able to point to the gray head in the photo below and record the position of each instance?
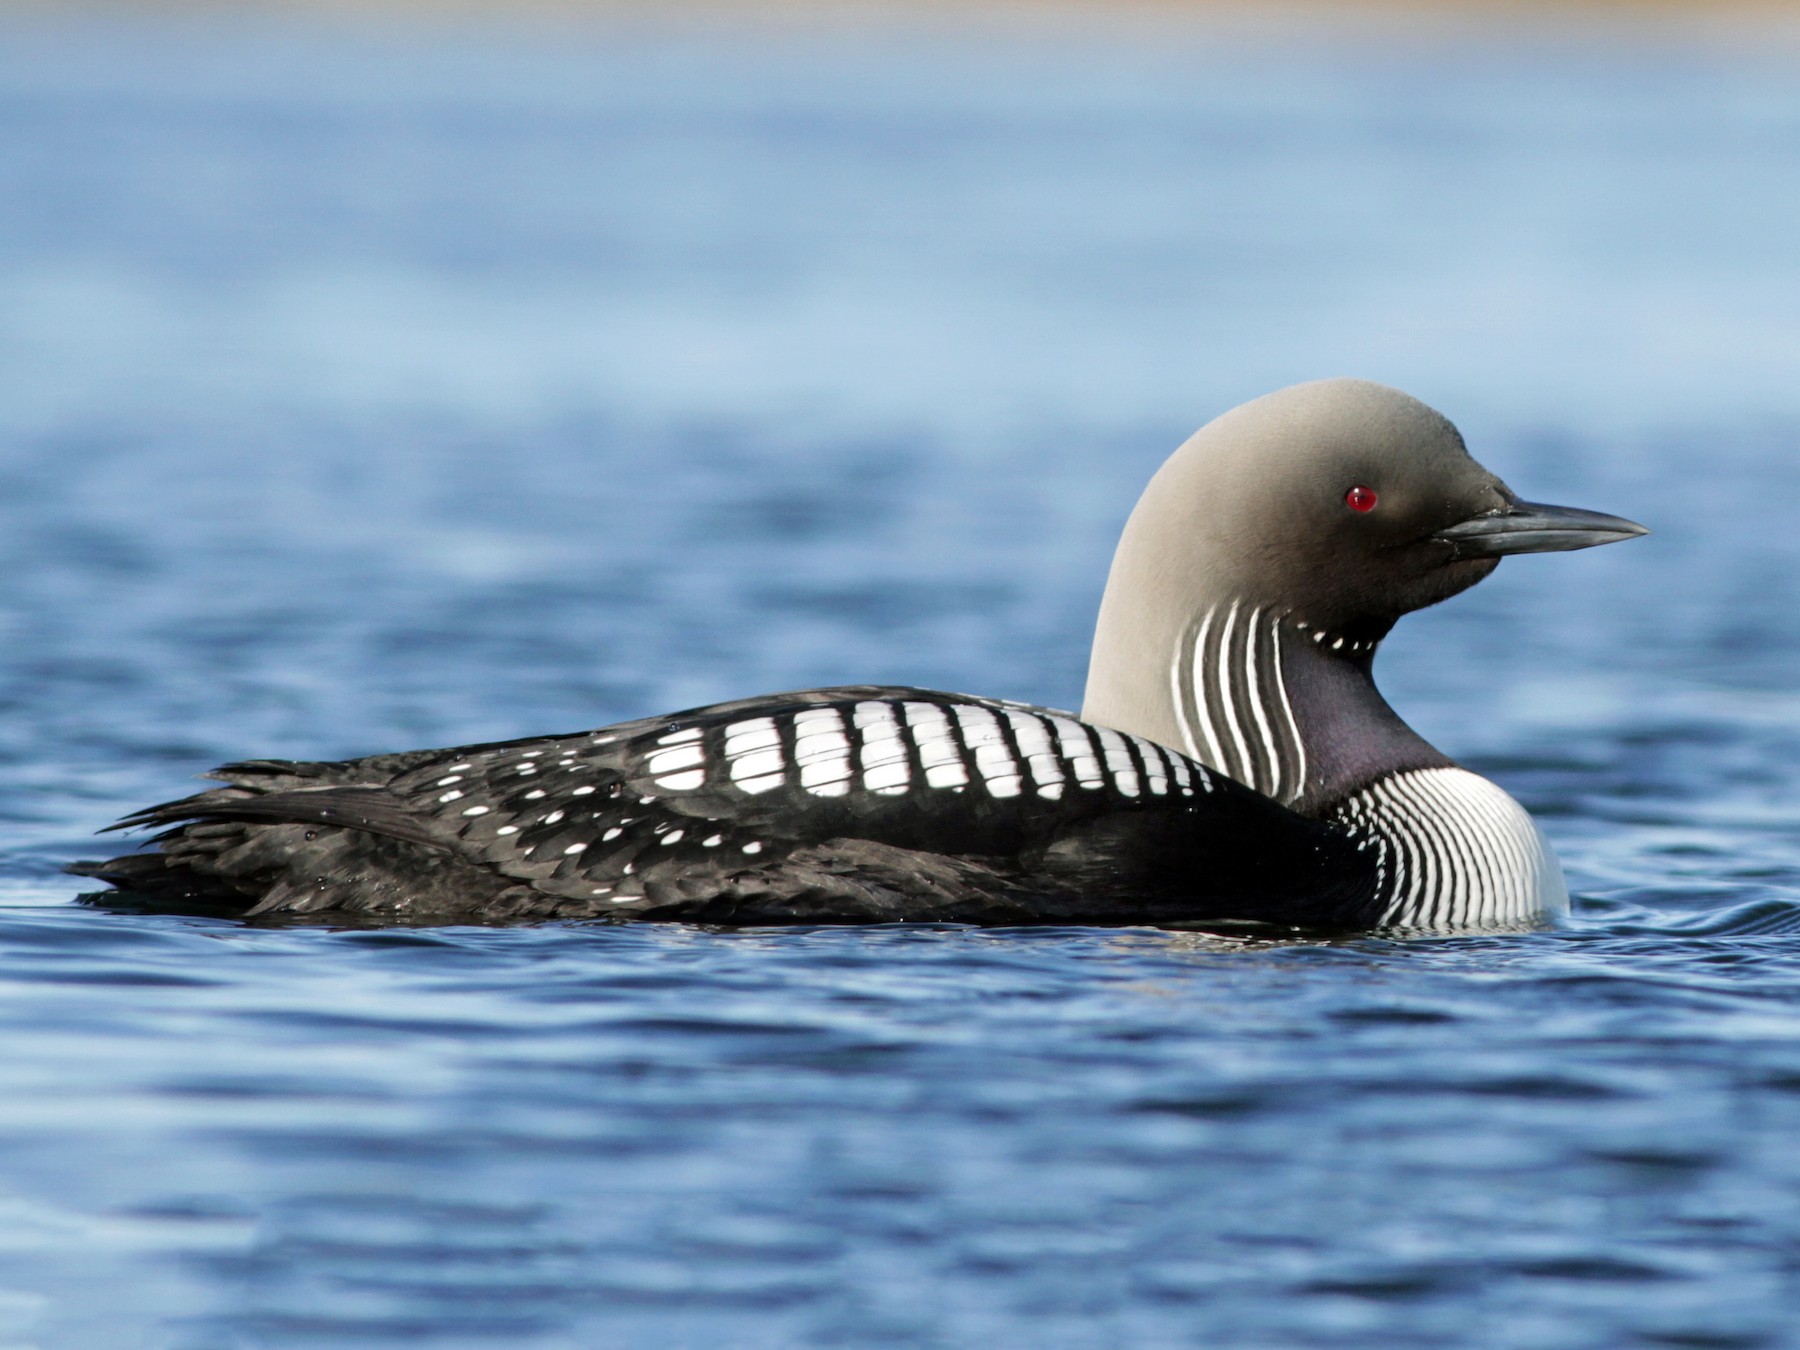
(1330, 508)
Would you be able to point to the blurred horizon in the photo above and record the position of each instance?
(395, 375)
(1242, 13)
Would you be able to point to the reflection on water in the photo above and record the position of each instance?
(360, 391)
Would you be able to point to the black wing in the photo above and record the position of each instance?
(850, 804)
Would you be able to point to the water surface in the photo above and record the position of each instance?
(373, 388)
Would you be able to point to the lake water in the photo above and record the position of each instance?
(368, 388)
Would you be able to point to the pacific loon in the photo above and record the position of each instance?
(1232, 763)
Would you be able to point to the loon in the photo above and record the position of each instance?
(1233, 762)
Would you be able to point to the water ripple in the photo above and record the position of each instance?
(367, 390)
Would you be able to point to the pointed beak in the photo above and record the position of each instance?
(1531, 527)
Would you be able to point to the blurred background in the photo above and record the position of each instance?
(384, 375)
(403, 374)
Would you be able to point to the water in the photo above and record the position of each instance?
(371, 388)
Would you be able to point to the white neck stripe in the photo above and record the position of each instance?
(1231, 701)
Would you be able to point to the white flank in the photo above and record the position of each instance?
(1155, 766)
(822, 752)
(938, 751)
(993, 756)
(1077, 750)
(682, 757)
(758, 733)
(1184, 774)
(1040, 753)
(888, 779)
(1118, 761)
(757, 763)
(883, 756)
(753, 748)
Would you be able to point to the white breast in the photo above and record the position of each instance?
(1454, 851)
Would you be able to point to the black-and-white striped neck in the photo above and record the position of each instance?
(1286, 706)
(1229, 686)
(1291, 710)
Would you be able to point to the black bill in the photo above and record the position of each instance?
(1531, 527)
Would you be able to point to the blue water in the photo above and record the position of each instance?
(368, 388)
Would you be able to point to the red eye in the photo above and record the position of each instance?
(1360, 498)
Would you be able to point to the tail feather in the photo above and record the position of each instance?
(370, 809)
(183, 868)
(274, 820)
(186, 808)
(278, 770)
